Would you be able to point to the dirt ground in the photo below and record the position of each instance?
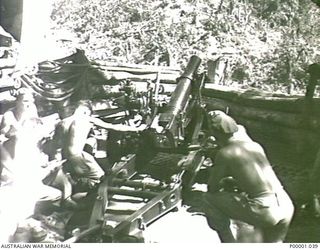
(181, 226)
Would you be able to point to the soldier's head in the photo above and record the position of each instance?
(26, 103)
(221, 125)
(84, 107)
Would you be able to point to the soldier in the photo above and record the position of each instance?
(84, 170)
(259, 198)
(15, 126)
(22, 161)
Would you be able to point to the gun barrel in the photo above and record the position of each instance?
(192, 67)
(181, 93)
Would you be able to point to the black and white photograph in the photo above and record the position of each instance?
(180, 122)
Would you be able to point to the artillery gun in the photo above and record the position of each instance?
(149, 170)
(145, 184)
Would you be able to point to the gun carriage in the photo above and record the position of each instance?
(140, 188)
(149, 170)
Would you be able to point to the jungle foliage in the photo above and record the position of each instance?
(263, 43)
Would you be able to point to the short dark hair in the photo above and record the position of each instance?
(221, 122)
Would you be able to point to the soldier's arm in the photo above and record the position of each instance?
(218, 172)
(9, 124)
(117, 127)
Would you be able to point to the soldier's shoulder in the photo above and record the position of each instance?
(8, 114)
(228, 151)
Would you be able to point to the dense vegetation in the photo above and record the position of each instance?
(266, 43)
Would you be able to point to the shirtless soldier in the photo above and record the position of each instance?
(260, 199)
(12, 127)
(86, 173)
